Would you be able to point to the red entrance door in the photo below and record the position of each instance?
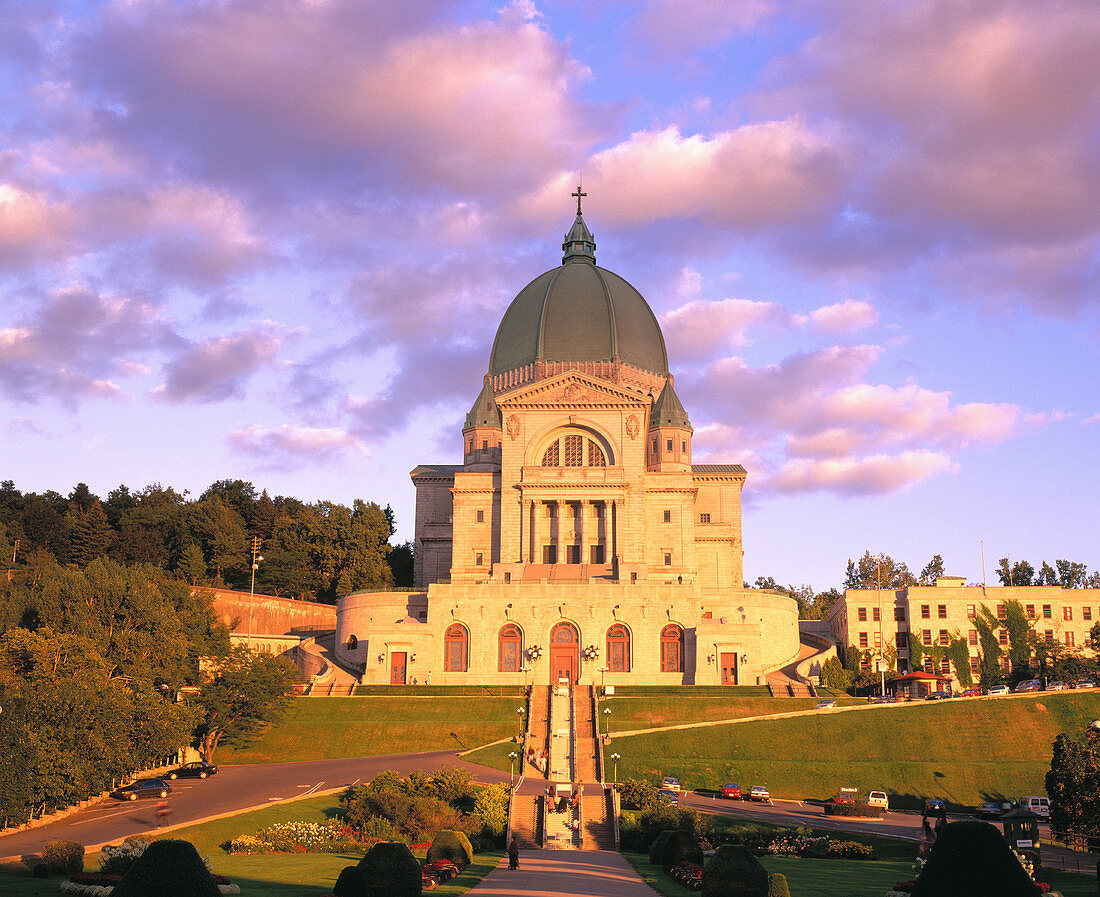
(565, 659)
(729, 669)
(397, 667)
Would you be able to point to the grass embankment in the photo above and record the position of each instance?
(278, 875)
(331, 728)
(964, 751)
(647, 708)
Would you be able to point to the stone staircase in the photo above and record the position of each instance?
(585, 763)
(527, 820)
(597, 826)
(538, 730)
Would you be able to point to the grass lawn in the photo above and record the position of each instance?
(285, 875)
(631, 711)
(962, 751)
(495, 756)
(329, 728)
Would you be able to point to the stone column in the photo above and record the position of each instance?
(582, 531)
(555, 530)
(536, 554)
(523, 528)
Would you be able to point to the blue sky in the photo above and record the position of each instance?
(272, 239)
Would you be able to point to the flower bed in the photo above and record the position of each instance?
(302, 837)
(819, 848)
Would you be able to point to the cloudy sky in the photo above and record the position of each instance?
(272, 239)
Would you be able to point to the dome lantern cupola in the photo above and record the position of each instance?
(579, 245)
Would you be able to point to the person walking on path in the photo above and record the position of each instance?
(513, 854)
(163, 813)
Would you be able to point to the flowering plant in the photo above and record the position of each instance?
(301, 837)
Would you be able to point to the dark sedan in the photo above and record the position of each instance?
(197, 770)
(143, 788)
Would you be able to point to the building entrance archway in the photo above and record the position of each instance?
(565, 653)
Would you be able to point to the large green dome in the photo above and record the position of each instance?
(579, 312)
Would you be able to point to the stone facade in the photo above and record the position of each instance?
(577, 539)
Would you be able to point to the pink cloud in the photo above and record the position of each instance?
(220, 368)
(873, 475)
(777, 173)
(74, 341)
(701, 330)
(31, 225)
(676, 27)
(846, 317)
(289, 446)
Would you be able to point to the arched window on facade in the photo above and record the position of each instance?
(352, 643)
(574, 450)
(618, 649)
(509, 649)
(456, 649)
(672, 649)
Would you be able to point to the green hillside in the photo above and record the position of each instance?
(963, 751)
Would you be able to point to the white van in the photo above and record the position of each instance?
(1040, 806)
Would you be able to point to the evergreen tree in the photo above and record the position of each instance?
(931, 571)
(90, 535)
(877, 572)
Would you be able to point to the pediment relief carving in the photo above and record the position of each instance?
(571, 389)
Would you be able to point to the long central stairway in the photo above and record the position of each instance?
(562, 802)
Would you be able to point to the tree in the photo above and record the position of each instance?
(958, 652)
(834, 675)
(1094, 637)
(400, 560)
(242, 693)
(989, 647)
(90, 535)
(1071, 575)
(1019, 574)
(224, 537)
(1073, 784)
(931, 571)
(1020, 643)
(877, 571)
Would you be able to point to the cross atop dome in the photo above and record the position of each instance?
(579, 245)
(578, 194)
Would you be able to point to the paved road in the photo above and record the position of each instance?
(233, 789)
(561, 873)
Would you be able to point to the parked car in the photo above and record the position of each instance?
(1040, 806)
(673, 797)
(846, 796)
(143, 788)
(1028, 685)
(989, 810)
(997, 690)
(937, 696)
(1056, 685)
(878, 799)
(668, 783)
(196, 770)
(826, 704)
(884, 699)
(1085, 683)
(934, 808)
(731, 791)
(971, 693)
(760, 793)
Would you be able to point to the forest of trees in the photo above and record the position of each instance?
(320, 551)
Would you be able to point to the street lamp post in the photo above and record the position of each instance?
(512, 773)
(520, 712)
(607, 723)
(256, 558)
(615, 766)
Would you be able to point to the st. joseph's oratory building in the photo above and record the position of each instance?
(576, 540)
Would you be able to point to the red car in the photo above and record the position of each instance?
(731, 791)
(971, 693)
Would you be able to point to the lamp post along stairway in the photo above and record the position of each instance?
(574, 810)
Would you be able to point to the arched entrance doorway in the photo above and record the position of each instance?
(565, 653)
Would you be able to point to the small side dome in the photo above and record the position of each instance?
(668, 411)
(485, 412)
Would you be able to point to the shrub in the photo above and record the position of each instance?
(63, 857)
(832, 808)
(971, 858)
(734, 872)
(777, 885)
(851, 850)
(451, 846)
(350, 883)
(390, 870)
(168, 867)
(639, 794)
(41, 870)
(301, 837)
(491, 804)
(118, 860)
(416, 818)
(670, 848)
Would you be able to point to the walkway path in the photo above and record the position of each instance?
(574, 873)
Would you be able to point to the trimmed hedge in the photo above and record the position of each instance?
(670, 848)
(777, 885)
(63, 857)
(972, 858)
(452, 846)
(350, 883)
(734, 872)
(832, 808)
(390, 870)
(168, 867)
